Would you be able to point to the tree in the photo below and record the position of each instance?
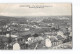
(35, 35)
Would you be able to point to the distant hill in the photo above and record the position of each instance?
(22, 19)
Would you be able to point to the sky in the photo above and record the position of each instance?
(48, 9)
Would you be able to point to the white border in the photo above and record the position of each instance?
(76, 29)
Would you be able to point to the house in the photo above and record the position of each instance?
(55, 43)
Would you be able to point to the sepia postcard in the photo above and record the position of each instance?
(36, 26)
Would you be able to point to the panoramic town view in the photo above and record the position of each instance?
(35, 32)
